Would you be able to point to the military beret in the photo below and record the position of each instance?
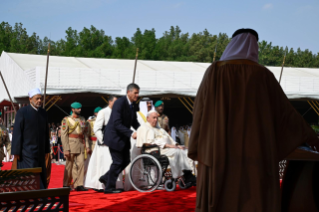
(76, 105)
(159, 103)
(96, 110)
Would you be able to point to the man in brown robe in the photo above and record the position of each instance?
(243, 125)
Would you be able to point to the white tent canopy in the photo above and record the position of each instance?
(22, 72)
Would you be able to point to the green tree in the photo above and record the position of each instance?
(173, 45)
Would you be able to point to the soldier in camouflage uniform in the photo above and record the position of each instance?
(162, 119)
(90, 138)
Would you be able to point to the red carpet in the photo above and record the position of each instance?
(179, 200)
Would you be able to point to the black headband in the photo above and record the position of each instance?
(251, 31)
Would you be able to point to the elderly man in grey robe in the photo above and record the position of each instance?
(151, 133)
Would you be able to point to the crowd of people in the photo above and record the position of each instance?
(243, 125)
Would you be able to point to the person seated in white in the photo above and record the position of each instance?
(151, 133)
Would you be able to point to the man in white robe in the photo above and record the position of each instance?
(173, 133)
(151, 133)
(145, 105)
(101, 159)
(181, 135)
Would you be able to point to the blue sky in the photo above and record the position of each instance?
(289, 23)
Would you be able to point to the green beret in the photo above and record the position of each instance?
(76, 105)
(159, 103)
(96, 110)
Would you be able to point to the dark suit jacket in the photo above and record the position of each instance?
(117, 132)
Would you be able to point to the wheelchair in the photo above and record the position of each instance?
(149, 171)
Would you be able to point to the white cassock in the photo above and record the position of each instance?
(178, 159)
(101, 159)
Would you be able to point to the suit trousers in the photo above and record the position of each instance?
(74, 168)
(120, 160)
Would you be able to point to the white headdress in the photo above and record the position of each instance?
(242, 46)
(34, 92)
(143, 105)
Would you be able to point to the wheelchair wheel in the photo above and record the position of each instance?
(184, 186)
(170, 185)
(145, 173)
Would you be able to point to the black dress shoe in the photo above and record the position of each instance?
(81, 188)
(98, 190)
(102, 180)
(112, 191)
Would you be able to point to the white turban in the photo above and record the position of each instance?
(34, 92)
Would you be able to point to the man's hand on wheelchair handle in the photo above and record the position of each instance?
(134, 135)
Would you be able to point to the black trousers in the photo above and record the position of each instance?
(120, 160)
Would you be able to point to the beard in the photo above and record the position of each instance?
(35, 104)
(77, 113)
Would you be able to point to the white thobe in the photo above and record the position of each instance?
(101, 159)
(178, 159)
(181, 136)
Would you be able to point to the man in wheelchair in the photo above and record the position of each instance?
(151, 133)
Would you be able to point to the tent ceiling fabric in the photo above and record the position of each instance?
(67, 75)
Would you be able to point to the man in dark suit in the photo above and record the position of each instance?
(117, 136)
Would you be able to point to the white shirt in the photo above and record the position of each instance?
(34, 107)
(101, 120)
(129, 102)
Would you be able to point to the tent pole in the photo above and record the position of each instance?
(46, 76)
(188, 102)
(313, 102)
(104, 99)
(185, 105)
(50, 99)
(215, 50)
(282, 67)
(138, 101)
(136, 56)
(313, 107)
(61, 110)
(4, 83)
(55, 101)
(191, 100)
(306, 111)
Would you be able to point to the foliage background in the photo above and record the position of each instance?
(172, 46)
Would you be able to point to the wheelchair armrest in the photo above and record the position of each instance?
(150, 146)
